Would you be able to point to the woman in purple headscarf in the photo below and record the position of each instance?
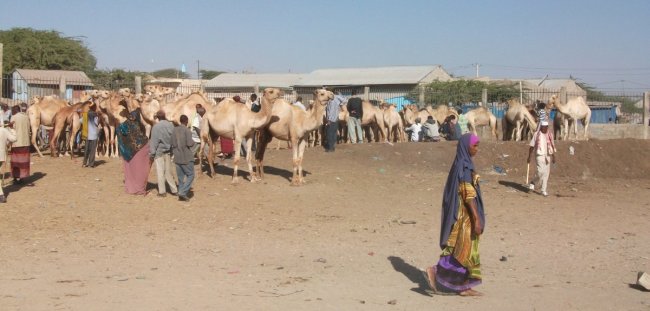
(463, 220)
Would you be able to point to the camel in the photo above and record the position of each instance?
(67, 116)
(411, 112)
(440, 113)
(149, 105)
(574, 110)
(481, 116)
(41, 112)
(394, 124)
(519, 116)
(109, 105)
(373, 117)
(234, 120)
(293, 124)
(185, 105)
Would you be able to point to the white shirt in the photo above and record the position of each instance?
(542, 146)
(300, 105)
(415, 129)
(196, 123)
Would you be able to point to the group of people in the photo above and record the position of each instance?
(14, 139)
(167, 140)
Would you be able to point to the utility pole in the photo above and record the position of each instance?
(1, 80)
(198, 69)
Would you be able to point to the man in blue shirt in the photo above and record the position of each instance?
(91, 142)
(332, 121)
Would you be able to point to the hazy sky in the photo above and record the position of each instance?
(604, 43)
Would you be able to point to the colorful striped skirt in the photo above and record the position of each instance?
(20, 162)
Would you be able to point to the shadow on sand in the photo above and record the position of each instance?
(25, 182)
(514, 185)
(412, 273)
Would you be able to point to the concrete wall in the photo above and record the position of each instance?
(615, 131)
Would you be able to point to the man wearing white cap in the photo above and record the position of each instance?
(544, 150)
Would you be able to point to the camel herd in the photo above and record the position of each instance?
(277, 119)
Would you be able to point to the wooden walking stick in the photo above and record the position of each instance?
(527, 172)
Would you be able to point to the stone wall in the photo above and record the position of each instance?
(616, 131)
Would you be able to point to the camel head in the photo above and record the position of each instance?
(103, 94)
(323, 96)
(553, 102)
(271, 94)
(125, 92)
(35, 99)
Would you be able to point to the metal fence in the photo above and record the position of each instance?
(607, 107)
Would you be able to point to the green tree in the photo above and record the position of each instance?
(627, 102)
(465, 91)
(44, 49)
(170, 73)
(115, 78)
(209, 74)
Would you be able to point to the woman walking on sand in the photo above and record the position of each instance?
(463, 220)
(134, 149)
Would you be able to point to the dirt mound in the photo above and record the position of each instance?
(624, 158)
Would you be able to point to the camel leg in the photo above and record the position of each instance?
(56, 132)
(74, 129)
(235, 162)
(262, 143)
(113, 142)
(381, 130)
(35, 129)
(586, 123)
(106, 140)
(211, 156)
(295, 179)
(249, 159)
(301, 153)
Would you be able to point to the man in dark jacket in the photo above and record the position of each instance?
(182, 146)
(355, 115)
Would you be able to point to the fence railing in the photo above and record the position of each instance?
(607, 107)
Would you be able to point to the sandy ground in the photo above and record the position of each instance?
(353, 238)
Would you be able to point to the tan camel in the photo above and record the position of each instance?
(234, 120)
(481, 116)
(110, 104)
(559, 130)
(576, 109)
(185, 105)
(518, 116)
(293, 124)
(411, 112)
(393, 122)
(373, 117)
(440, 113)
(41, 112)
(67, 116)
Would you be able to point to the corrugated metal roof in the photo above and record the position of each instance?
(368, 76)
(180, 82)
(52, 77)
(551, 84)
(234, 80)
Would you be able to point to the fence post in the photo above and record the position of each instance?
(1, 73)
(138, 85)
(563, 95)
(484, 97)
(366, 92)
(62, 88)
(646, 106)
(421, 99)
